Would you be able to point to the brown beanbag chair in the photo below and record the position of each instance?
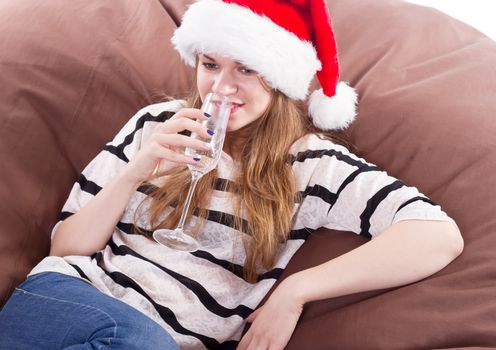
(74, 72)
(427, 86)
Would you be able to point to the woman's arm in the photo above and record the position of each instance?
(89, 229)
(406, 252)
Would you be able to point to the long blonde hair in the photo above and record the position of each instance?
(265, 188)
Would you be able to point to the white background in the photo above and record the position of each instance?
(480, 14)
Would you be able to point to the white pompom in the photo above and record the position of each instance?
(336, 112)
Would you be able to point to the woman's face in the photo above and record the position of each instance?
(244, 88)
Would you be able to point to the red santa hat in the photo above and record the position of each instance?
(286, 42)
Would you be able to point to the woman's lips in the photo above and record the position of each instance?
(235, 107)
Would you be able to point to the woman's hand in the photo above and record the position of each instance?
(273, 324)
(165, 147)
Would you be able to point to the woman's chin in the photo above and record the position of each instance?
(232, 124)
(231, 128)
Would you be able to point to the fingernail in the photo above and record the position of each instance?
(207, 144)
(206, 114)
(197, 158)
(211, 132)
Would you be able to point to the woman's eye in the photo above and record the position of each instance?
(245, 70)
(209, 66)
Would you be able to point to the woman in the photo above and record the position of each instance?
(107, 284)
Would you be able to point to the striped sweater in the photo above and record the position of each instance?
(200, 297)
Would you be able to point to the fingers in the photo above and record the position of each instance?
(266, 331)
(191, 113)
(174, 126)
(170, 155)
(250, 342)
(166, 145)
(253, 315)
(181, 141)
(245, 341)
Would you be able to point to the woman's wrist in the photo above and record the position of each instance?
(295, 285)
(129, 179)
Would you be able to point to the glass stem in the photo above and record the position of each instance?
(195, 176)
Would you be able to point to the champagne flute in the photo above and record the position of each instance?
(218, 109)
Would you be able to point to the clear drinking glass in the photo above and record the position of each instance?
(217, 108)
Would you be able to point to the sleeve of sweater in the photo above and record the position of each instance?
(115, 155)
(344, 192)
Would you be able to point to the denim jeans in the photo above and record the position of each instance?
(55, 311)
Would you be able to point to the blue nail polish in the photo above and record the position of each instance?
(197, 158)
(206, 114)
(211, 132)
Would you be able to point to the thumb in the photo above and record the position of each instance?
(157, 169)
(253, 315)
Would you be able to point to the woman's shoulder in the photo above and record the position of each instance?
(142, 123)
(315, 142)
(156, 109)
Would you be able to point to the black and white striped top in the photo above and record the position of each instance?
(201, 298)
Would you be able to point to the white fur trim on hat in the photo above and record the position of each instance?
(336, 112)
(212, 26)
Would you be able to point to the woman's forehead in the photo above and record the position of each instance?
(220, 58)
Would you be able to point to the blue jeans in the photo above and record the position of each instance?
(55, 311)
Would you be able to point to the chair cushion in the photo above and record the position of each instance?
(73, 72)
(427, 84)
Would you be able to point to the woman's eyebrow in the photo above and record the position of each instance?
(208, 57)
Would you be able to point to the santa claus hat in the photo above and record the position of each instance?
(286, 42)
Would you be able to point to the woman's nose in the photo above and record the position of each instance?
(224, 84)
